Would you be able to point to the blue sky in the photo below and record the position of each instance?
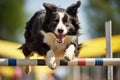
(31, 6)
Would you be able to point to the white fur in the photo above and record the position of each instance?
(69, 53)
(50, 59)
(60, 24)
(58, 48)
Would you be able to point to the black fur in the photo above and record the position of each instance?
(47, 20)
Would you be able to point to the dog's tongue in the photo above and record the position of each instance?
(60, 38)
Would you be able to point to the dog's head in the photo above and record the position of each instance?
(61, 21)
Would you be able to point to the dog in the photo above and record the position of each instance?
(52, 33)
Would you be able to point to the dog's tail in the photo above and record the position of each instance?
(21, 47)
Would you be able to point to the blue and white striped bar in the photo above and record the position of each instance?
(75, 62)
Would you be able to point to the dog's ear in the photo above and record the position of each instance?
(72, 10)
(50, 7)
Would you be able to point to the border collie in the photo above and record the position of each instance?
(52, 33)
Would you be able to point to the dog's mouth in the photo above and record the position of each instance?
(60, 38)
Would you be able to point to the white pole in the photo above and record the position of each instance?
(75, 62)
(108, 32)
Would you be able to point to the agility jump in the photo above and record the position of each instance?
(60, 62)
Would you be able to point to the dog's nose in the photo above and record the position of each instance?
(60, 30)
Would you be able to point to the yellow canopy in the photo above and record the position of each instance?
(97, 47)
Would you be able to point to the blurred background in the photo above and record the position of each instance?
(92, 15)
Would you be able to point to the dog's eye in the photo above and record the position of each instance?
(67, 24)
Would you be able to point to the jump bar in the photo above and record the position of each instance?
(61, 62)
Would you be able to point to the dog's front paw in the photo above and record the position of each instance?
(50, 59)
(70, 53)
(69, 56)
(52, 64)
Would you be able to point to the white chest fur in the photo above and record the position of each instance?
(58, 48)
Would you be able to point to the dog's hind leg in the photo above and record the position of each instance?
(27, 69)
(27, 53)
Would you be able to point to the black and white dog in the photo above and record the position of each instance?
(53, 32)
